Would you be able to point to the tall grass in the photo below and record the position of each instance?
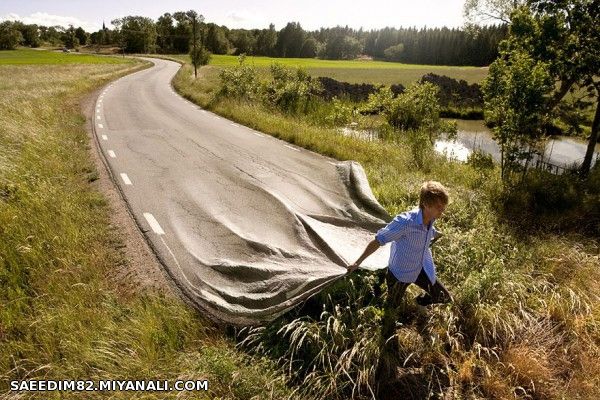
(62, 316)
(526, 316)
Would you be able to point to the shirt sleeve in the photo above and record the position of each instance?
(392, 231)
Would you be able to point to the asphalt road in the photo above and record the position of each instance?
(246, 225)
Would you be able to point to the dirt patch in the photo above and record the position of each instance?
(141, 272)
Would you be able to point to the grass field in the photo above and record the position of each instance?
(30, 56)
(385, 73)
(526, 318)
(63, 315)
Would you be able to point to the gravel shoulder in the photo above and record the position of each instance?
(141, 271)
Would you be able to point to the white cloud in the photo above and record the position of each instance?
(42, 18)
(240, 19)
(237, 18)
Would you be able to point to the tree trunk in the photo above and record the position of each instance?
(565, 85)
(589, 154)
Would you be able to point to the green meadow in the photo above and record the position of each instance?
(356, 71)
(30, 56)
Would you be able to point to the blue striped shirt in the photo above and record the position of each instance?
(410, 246)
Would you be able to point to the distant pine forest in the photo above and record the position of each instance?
(171, 33)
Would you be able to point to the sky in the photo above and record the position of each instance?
(248, 14)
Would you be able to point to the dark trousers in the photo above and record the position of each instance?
(435, 293)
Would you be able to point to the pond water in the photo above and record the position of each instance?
(559, 151)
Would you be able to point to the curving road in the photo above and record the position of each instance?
(245, 224)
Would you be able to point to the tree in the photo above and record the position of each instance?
(199, 55)
(216, 42)
(477, 12)
(51, 34)
(10, 36)
(69, 38)
(310, 48)
(243, 42)
(290, 40)
(165, 32)
(564, 34)
(394, 53)
(266, 40)
(340, 44)
(181, 39)
(516, 93)
(138, 34)
(82, 36)
(31, 34)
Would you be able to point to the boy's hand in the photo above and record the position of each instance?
(352, 267)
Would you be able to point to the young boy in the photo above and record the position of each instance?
(411, 233)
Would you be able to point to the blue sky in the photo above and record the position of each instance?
(311, 14)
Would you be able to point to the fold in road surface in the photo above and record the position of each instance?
(245, 224)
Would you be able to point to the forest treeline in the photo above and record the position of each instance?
(170, 34)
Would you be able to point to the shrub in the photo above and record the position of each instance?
(290, 90)
(240, 82)
(481, 161)
(340, 113)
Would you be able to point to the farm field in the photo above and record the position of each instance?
(354, 71)
(30, 56)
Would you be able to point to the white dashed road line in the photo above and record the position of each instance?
(290, 147)
(100, 126)
(154, 224)
(126, 179)
(104, 137)
(112, 154)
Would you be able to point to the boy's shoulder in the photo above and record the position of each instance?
(409, 216)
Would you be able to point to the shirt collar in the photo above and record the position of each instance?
(420, 219)
(420, 216)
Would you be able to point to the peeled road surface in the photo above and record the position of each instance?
(245, 224)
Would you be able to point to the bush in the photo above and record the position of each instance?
(557, 202)
(240, 82)
(290, 90)
(416, 108)
(481, 161)
(340, 113)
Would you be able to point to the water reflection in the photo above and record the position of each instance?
(559, 151)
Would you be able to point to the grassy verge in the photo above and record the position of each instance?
(526, 320)
(61, 315)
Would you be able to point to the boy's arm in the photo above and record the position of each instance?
(371, 247)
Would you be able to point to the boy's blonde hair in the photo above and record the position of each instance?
(431, 192)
